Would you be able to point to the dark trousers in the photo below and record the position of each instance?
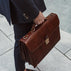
(20, 30)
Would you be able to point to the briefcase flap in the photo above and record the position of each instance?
(42, 34)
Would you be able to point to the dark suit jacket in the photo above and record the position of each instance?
(24, 11)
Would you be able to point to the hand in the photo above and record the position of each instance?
(39, 19)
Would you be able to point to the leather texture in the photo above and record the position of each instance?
(37, 43)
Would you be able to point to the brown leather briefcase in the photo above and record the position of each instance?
(40, 40)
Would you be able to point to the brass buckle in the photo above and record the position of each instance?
(47, 41)
(25, 37)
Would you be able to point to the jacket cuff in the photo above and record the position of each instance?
(28, 8)
(31, 14)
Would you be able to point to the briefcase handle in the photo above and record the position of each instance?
(35, 26)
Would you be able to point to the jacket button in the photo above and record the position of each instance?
(25, 16)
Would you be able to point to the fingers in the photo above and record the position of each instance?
(39, 19)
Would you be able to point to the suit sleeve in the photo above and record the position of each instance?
(28, 8)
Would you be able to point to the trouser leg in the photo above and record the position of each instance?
(19, 62)
(19, 31)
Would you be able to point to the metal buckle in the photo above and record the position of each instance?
(25, 37)
(47, 41)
